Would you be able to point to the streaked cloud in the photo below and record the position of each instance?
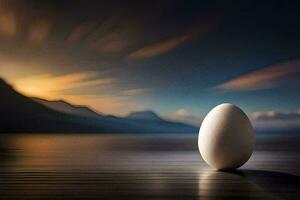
(39, 30)
(265, 78)
(113, 42)
(104, 103)
(274, 115)
(8, 24)
(52, 87)
(182, 115)
(272, 120)
(159, 48)
(165, 45)
(135, 91)
(81, 31)
(111, 36)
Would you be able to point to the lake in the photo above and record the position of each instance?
(128, 166)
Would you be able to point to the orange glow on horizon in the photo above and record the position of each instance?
(50, 87)
(53, 87)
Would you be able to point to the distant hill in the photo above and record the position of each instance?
(144, 115)
(21, 114)
(65, 107)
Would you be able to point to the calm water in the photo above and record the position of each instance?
(110, 166)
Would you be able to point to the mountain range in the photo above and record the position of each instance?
(22, 114)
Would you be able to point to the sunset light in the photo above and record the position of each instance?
(106, 99)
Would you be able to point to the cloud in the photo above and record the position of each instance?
(113, 42)
(111, 36)
(265, 78)
(275, 120)
(165, 45)
(182, 115)
(39, 29)
(108, 104)
(159, 48)
(271, 115)
(8, 24)
(135, 91)
(52, 87)
(104, 38)
(80, 31)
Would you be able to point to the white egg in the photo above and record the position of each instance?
(226, 138)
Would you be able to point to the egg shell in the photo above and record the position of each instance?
(226, 138)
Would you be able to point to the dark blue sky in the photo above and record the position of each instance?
(166, 56)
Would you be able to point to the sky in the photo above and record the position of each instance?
(177, 58)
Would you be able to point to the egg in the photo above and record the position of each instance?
(226, 138)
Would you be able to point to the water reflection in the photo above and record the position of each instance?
(92, 152)
(229, 185)
(248, 184)
(95, 166)
(129, 167)
(5, 153)
(284, 185)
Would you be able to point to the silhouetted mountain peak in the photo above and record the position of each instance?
(2, 81)
(144, 115)
(27, 115)
(4, 85)
(65, 107)
(19, 108)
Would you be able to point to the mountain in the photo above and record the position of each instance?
(65, 107)
(21, 114)
(151, 121)
(144, 115)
